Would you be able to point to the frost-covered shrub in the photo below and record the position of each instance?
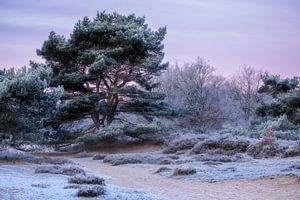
(142, 129)
(84, 155)
(233, 130)
(99, 156)
(260, 150)
(223, 145)
(240, 131)
(121, 159)
(48, 169)
(86, 179)
(281, 123)
(117, 129)
(55, 161)
(13, 155)
(288, 134)
(166, 161)
(26, 100)
(184, 142)
(90, 191)
(162, 169)
(217, 158)
(183, 171)
(282, 128)
(292, 150)
(107, 132)
(71, 170)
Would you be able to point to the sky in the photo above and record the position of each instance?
(264, 34)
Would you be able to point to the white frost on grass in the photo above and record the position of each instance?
(251, 169)
(19, 182)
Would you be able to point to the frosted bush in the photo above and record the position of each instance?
(240, 131)
(110, 131)
(233, 130)
(90, 191)
(26, 101)
(280, 123)
(184, 171)
(86, 179)
(142, 129)
(288, 135)
(117, 129)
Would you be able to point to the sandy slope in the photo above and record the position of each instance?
(142, 177)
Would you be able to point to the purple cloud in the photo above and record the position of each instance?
(260, 33)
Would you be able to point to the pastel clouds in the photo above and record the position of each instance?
(261, 33)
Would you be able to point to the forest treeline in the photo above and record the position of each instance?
(111, 72)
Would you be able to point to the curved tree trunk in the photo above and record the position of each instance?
(96, 119)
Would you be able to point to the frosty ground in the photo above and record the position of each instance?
(224, 170)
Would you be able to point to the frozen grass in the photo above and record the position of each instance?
(259, 150)
(55, 161)
(183, 171)
(296, 166)
(72, 186)
(292, 150)
(13, 155)
(40, 185)
(69, 170)
(217, 158)
(166, 161)
(99, 156)
(184, 142)
(122, 159)
(228, 145)
(16, 183)
(162, 169)
(222, 145)
(89, 191)
(86, 179)
(84, 155)
(132, 158)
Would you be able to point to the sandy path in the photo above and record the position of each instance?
(142, 177)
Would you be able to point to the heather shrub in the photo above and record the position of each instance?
(184, 142)
(83, 155)
(90, 191)
(107, 132)
(281, 123)
(221, 145)
(99, 156)
(162, 169)
(118, 129)
(70, 170)
(288, 134)
(86, 179)
(183, 171)
(133, 158)
(142, 129)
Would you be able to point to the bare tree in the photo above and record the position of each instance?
(196, 89)
(244, 86)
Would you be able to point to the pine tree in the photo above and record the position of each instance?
(284, 98)
(106, 67)
(26, 102)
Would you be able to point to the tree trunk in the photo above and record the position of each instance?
(112, 108)
(96, 119)
(110, 117)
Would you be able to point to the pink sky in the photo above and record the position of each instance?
(228, 33)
